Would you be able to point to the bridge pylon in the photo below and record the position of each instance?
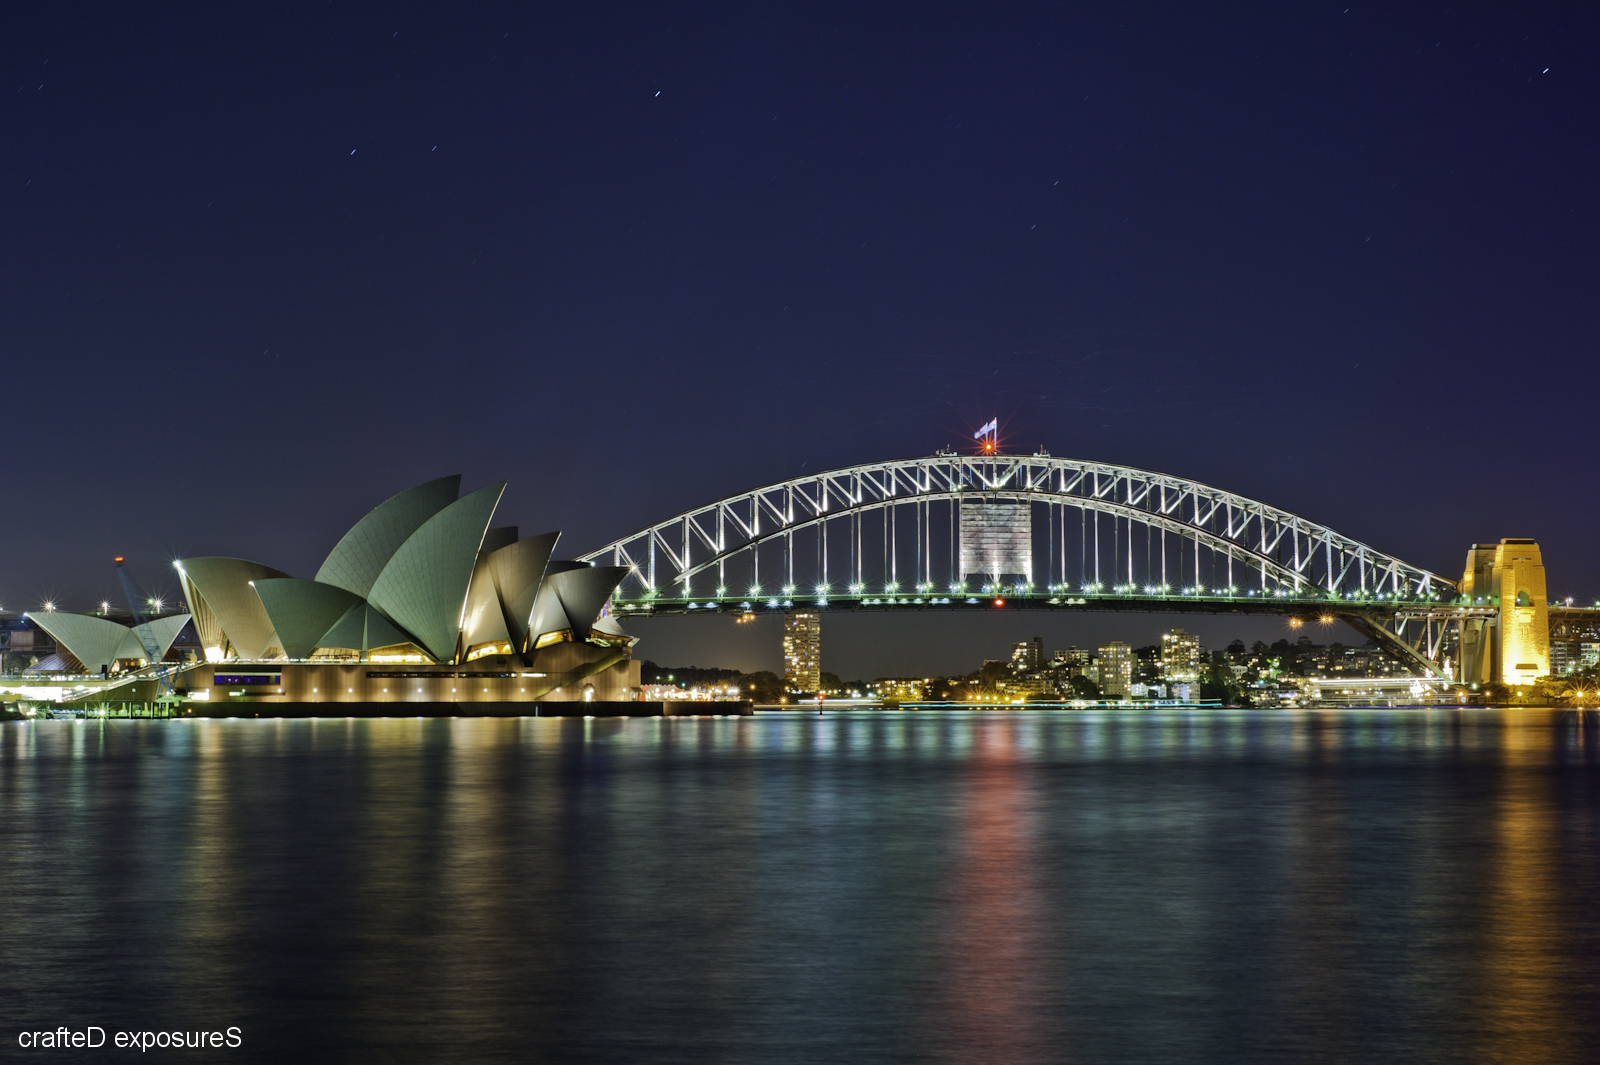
(1511, 647)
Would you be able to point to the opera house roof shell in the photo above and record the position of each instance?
(99, 643)
(422, 577)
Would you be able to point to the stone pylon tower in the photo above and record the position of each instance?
(1515, 647)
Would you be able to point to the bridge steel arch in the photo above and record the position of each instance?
(1138, 533)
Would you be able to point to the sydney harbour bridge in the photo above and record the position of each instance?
(990, 531)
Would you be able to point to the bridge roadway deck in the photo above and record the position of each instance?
(1270, 606)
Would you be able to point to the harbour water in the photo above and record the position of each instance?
(1105, 886)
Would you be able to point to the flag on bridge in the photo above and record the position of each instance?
(992, 427)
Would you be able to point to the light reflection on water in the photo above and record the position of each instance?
(988, 886)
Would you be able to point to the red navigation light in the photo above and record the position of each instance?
(999, 602)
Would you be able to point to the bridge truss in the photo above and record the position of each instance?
(1086, 535)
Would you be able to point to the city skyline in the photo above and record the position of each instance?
(1325, 575)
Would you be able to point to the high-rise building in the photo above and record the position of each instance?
(1115, 667)
(1028, 656)
(1074, 660)
(1180, 656)
(802, 651)
(1569, 656)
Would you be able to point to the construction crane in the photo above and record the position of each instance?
(147, 639)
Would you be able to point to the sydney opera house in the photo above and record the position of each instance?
(421, 602)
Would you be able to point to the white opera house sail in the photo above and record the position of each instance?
(423, 578)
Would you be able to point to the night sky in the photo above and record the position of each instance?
(262, 266)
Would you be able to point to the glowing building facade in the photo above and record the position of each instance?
(1180, 656)
(423, 581)
(1114, 664)
(802, 651)
(1514, 649)
(1028, 655)
(1074, 661)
